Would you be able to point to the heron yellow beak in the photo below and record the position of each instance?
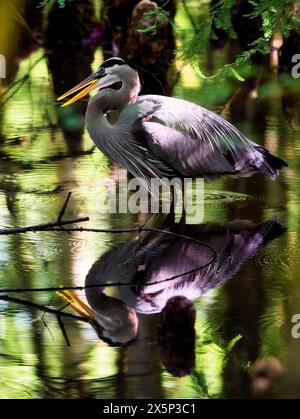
(77, 304)
(86, 86)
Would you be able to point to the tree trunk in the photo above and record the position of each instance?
(70, 47)
(132, 31)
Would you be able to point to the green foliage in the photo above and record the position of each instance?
(276, 16)
(221, 17)
(61, 3)
(157, 15)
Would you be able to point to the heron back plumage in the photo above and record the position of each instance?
(197, 142)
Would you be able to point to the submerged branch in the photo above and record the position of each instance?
(59, 223)
(63, 329)
(45, 309)
(63, 209)
(58, 226)
(58, 313)
(42, 227)
(122, 284)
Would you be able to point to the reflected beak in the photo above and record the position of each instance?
(79, 306)
(85, 87)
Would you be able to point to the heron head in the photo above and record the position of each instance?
(110, 77)
(117, 327)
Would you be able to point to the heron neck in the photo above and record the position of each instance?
(96, 115)
(108, 100)
(113, 315)
(95, 295)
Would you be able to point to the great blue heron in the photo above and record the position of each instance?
(162, 137)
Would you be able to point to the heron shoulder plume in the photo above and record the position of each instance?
(160, 136)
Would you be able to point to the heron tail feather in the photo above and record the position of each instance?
(270, 164)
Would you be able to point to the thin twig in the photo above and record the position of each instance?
(62, 288)
(25, 25)
(97, 230)
(19, 82)
(47, 226)
(62, 328)
(63, 307)
(63, 210)
(189, 15)
(43, 308)
(104, 285)
(42, 227)
(47, 327)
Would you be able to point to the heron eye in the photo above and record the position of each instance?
(115, 86)
(101, 72)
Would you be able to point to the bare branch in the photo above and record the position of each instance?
(126, 284)
(47, 327)
(42, 227)
(63, 330)
(47, 226)
(57, 226)
(63, 210)
(189, 15)
(43, 308)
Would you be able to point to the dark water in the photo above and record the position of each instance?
(244, 300)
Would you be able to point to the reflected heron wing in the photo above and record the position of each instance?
(234, 243)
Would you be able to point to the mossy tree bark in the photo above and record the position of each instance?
(127, 33)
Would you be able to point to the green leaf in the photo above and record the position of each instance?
(233, 342)
(237, 75)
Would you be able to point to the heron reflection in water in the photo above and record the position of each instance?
(147, 261)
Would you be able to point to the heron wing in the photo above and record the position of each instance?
(195, 141)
